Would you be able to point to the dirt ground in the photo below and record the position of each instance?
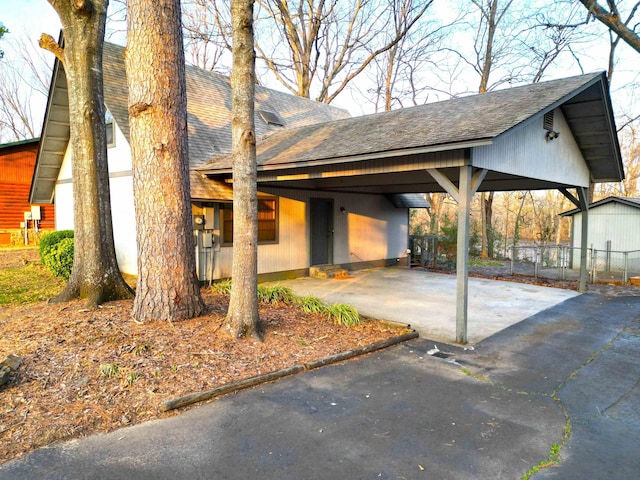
(94, 370)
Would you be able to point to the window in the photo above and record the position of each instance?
(110, 128)
(267, 221)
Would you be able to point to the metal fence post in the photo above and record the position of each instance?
(513, 254)
(625, 272)
(594, 265)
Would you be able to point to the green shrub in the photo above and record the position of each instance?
(311, 305)
(222, 288)
(275, 294)
(49, 240)
(343, 314)
(56, 252)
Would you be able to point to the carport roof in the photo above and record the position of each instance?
(458, 123)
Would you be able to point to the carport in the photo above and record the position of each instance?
(551, 135)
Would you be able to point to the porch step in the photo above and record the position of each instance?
(328, 271)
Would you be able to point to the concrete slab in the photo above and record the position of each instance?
(426, 300)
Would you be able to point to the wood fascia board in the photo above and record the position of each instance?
(359, 158)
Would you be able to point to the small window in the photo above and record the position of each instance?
(267, 221)
(110, 128)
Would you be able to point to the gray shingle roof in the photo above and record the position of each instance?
(631, 202)
(209, 107)
(457, 121)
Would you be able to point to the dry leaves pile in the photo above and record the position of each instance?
(87, 371)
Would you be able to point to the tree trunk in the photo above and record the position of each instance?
(95, 275)
(167, 285)
(243, 306)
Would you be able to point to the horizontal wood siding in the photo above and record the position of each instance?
(524, 151)
(16, 169)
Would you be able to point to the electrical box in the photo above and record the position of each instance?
(198, 222)
(207, 241)
(27, 216)
(35, 212)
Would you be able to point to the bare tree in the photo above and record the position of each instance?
(315, 48)
(24, 85)
(243, 306)
(206, 26)
(167, 285)
(612, 19)
(95, 275)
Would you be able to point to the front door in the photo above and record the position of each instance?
(321, 231)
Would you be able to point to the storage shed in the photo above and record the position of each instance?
(614, 224)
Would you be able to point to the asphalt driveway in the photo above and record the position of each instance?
(489, 413)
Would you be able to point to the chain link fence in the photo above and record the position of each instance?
(563, 262)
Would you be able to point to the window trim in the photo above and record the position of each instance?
(276, 201)
(109, 122)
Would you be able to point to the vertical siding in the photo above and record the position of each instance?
(524, 151)
(611, 221)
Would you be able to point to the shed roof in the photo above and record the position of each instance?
(630, 202)
(458, 123)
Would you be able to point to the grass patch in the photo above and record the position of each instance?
(275, 294)
(28, 284)
(477, 262)
(343, 314)
(222, 288)
(311, 305)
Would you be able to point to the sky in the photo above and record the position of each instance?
(31, 18)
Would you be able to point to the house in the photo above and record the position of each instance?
(614, 224)
(334, 189)
(17, 215)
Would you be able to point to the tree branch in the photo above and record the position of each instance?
(48, 43)
(612, 20)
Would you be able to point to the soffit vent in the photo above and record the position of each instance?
(548, 121)
(270, 118)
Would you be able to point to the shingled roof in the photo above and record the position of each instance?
(209, 120)
(460, 122)
(209, 107)
(630, 202)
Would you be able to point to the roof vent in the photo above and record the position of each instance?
(548, 121)
(270, 118)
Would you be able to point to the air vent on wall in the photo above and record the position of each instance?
(548, 121)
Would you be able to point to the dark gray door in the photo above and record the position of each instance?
(321, 231)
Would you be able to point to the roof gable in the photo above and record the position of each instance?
(460, 122)
(208, 117)
(629, 202)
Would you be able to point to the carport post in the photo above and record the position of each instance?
(462, 256)
(584, 206)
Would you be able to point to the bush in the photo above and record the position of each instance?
(56, 252)
(49, 240)
(343, 314)
(275, 294)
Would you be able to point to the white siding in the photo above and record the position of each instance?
(121, 187)
(524, 151)
(611, 221)
(372, 229)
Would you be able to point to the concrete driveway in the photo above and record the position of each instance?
(426, 300)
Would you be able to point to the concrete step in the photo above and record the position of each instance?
(328, 271)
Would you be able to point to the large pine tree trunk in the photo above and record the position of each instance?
(95, 275)
(167, 285)
(243, 307)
